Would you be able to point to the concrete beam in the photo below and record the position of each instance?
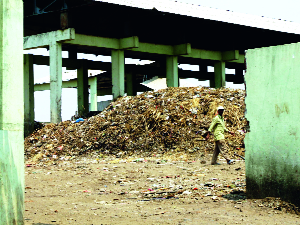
(55, 81)
(45, 39)
(183, 49)
(73, 63)
(82, 89)
(104, 42)
(11, 113)
(93, 93)
(230, 55)
(132, 44)
(28, 95)
(118, 73)
(172, 71)
(46, 86)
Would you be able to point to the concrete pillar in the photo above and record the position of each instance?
(203, 73)
(28, 95)
(82, 89)
(219, 80)
(203, 68)
(172, 71)
(130, 84)
(11, 113)
(72, 55)
(55, 81)
(239, 77)
(118, 73)
(93, 93)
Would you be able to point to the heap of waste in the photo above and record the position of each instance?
(166, 121)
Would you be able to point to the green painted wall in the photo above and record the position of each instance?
(273, 109)
(11, 113)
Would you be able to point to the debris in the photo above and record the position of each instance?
(170, 121)
(79, 120)
(239, 156)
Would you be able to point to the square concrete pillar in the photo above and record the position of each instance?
(55, 81)
(239, 77)
(219, 80)
(172, 71)
(203, 73)
(72, 55)
(93, 93)
(130, 84)
(118, 73)
(28, 95)
(11, 113)
(82, 89)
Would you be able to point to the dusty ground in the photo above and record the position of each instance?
(145, 191)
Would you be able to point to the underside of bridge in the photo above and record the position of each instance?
(119, 31)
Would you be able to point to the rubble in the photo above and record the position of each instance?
(170, 121)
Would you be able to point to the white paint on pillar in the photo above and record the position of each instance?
(172, 71)
(55, 81)
(11, 113)
(118, 73)
(93, 93)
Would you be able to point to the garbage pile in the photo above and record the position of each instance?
(168, 121)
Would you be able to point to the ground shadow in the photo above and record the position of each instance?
(45, 224)
(236, 195)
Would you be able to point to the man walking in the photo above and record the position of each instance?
(218, 128)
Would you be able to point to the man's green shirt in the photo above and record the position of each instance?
(218, 128)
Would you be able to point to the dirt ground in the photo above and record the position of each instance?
(153, 190)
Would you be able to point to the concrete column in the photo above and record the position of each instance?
(203, 73)
(118, 73)
(219, 75)
(172, 71)
(82, 89)
(28, 95)
(93, 93)
(72, 55)
(11, 113)
(203, 68)
(239, 77)
(130, 84)
(55, 81)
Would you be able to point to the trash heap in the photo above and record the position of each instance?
(172, 120)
